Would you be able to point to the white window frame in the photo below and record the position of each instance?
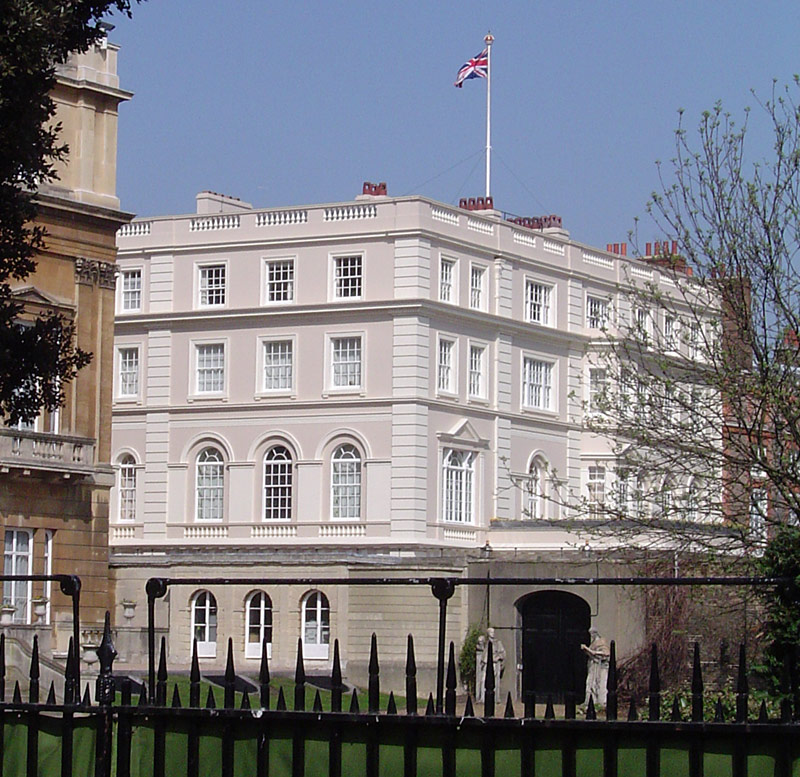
(332, 339)
(218, 490)
(122, 307)
(316, 634)
(757, 523)
(696, 341)
(596, 490)
(546, 386)
(196, 346)
(534, 495)
(127, 493)
(447, 373)
(481, 392)
(16, 562)
(347, 483)
(459, 486)
(206, 647)
(596, 384)
(451, 297)
(263, 625)
(643, 323)
(671, 333)
(539, 311)
(478, 293)
(599, 318)
(202, 287)
(340, 282)
(629, 493)
(134, 391)
(273, 261)
(47, 552)
(263, 344)
(281, 472)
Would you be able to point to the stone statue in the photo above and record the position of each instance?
(597, 670)
(480, 667)
(481, 658)
(498, 656)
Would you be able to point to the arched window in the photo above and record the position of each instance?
(259, 624)
(346, 483)
(534, 509)
(278, 484)
(127, 488)
(316, 625)
(204, 624)
(458, 484)
(210, 485)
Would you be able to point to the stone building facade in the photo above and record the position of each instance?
(384, 387)
(55, 474)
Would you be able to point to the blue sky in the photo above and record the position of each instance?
(300, 102)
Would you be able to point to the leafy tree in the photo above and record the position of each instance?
(782, 603)
(695, 382)
(36, 360)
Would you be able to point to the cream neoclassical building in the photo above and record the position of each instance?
(377, 387)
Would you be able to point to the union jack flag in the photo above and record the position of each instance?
(477, 67)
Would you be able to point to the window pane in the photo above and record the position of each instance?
(446, 280)
(346, 361)
(132, 290)
(457, 480)
(210, 367)
(278, 485)
(346, 483)
(476, 379)
(444, 368)
(537, 303)
(537, 379)
(347, 276)
(17, 561)
(476, 291)
(210, 486)
(127, 489)
(280, 281)
(212, 285)
(278, 365)
(128, 372)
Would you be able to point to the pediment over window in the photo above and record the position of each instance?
(463, 434)
(32, 296)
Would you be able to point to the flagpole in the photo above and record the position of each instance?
(488, 40)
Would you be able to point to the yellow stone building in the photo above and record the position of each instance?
(55, 474)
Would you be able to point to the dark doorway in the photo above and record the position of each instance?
(554, 626)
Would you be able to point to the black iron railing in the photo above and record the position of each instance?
(265, 733)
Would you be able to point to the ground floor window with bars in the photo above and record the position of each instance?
(278, 484)
(458, 486)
